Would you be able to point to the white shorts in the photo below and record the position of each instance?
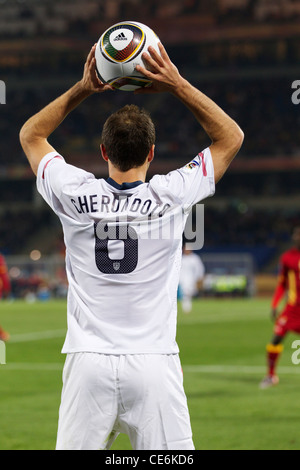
(140, 395)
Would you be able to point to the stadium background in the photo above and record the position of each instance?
(244, 54)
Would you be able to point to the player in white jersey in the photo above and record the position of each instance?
(191, 276)
(123, 254)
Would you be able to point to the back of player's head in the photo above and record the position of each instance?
(128, 136)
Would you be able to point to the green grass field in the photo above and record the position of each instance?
(222, 345)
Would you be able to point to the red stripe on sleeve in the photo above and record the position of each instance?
(201, 155)
(57, 156)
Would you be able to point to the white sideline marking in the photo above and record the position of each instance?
(184, 319)
(197, 368)
(24, 337)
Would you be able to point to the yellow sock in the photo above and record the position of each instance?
(274, 348)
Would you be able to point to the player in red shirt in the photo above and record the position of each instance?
(289, 319)
(5, 288)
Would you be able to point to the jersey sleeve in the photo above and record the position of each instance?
(190, 184)
(55, 178)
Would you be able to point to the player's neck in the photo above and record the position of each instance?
(130, 176)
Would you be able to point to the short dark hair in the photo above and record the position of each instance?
(128, 135)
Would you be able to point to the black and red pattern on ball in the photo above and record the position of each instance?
(130, 49)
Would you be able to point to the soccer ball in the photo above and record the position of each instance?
(119, 50)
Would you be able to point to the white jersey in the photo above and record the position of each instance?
(123, 253)
(192, 271)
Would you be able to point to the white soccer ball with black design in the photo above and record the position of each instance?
(118, 52)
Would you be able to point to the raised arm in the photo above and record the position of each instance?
(225, 134)
(35, 131)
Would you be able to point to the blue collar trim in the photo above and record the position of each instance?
(123, 185)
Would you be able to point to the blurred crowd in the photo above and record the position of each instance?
(268, 118)
(18, 226)
(250, 79)
(233, 73)
(35, 17)
(240, 225)
(33, 284)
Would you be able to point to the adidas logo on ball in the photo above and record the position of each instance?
(120, 37)
(118, 51)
